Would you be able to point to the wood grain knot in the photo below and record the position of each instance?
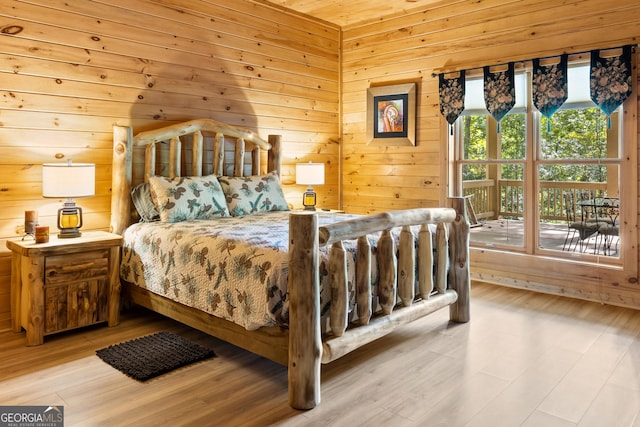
(12, 30)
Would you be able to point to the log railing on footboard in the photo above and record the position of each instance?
(446, 270)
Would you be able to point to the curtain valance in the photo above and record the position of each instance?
(610, 81)
(499, 91)
(452, 97)
(549, 87)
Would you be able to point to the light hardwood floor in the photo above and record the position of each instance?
(525, 359)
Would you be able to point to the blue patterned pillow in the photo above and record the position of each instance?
(188, 198)
(248, 195)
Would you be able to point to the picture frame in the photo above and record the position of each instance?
(391, 114)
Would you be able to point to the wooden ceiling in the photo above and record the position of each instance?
(346, 13)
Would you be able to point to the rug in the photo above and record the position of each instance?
(147, 357)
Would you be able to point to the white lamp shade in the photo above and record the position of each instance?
(310, 173)
(68, 180)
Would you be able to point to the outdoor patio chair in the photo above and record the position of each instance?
(578, 231)
(607, 219)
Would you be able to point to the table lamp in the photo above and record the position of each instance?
(309, 174)
(69, 180)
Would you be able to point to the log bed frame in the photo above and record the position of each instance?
(302, 347)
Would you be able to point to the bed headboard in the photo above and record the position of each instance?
(193, 148)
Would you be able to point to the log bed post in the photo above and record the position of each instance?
(305, 345)
(406, 267)
(121, 178)
(238, 158)
(387, 271)
(459, 274)
(274, 159)
(175, 157)
(339, 318)
(363, 280)
(218, 155)
(197, 144)
(425, 262)
(442, 261)
(149, 161)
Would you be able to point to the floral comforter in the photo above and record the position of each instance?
(234, 268)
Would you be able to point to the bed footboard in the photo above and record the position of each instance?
(445, 270)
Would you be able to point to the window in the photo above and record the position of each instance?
(529, 180)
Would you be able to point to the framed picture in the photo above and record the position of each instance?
(391, 114)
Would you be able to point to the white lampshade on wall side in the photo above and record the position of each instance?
(309, 174)
(69, 180)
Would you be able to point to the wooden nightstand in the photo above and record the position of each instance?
(65, 283)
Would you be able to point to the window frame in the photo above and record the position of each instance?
(626, 161)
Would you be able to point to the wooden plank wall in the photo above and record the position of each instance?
(451, 35)
(70, 69)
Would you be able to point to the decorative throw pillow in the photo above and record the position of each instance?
(247, 195)
(142, 200)
(187, 198)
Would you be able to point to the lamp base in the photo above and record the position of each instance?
(67, 233)
(69, 220)
(309, 199)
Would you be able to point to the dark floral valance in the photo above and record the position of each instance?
(549, 88)
(611, 82)
(451, 91)
(499, 91)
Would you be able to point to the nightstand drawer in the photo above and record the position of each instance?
(61, 269)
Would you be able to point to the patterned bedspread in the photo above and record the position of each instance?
(234, 268)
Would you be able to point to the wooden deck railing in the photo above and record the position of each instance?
(506, 198)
